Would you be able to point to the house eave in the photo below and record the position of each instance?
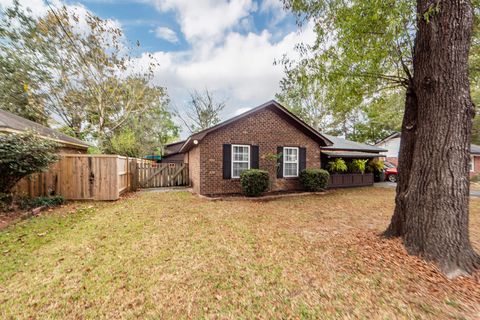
(63, 142)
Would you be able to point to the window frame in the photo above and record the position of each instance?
(472, 163)
(297, 162)
(237, 161)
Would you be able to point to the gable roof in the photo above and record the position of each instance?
(10, 122)
(173, 147)
(189, 143)
(390, 137)
(344, 144)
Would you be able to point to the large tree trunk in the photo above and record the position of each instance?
(431, 212)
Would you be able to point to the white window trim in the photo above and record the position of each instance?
(233, 158)
(472, 164)
(297, 162)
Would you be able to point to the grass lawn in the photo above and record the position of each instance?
(174, 255)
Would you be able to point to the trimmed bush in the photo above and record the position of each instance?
(314, 179)
(254, 182)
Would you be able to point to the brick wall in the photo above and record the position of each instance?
(268, 130)
(193, 159)
(476, 166)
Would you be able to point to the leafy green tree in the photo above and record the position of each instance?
(146, 133)
(83, 79)
(21, 155)
(366, 49)
(381, 116)
(21, 74)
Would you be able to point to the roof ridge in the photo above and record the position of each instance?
(201, 134)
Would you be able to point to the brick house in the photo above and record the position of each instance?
(392, 145)
(216, 156)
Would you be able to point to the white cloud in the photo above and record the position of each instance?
(206, 20)
(38, 7)
(275, 7)
(166, 34)
(240, 68)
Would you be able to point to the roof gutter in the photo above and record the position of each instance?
(72, 144)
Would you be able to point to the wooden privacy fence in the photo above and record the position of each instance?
(83, 177)
(155, 175)
(346, 180)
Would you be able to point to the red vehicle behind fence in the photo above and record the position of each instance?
(391, 172)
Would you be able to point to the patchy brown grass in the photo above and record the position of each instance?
(475, 186)
(173, 255)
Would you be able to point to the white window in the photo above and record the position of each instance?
(240, 159)
(290, 162)
(472, 163)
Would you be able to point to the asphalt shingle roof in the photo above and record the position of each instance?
(10, 121)
(474, 149)
(344, 144)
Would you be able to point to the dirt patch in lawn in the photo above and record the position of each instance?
(174, 255)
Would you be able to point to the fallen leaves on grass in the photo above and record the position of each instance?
(380, 254)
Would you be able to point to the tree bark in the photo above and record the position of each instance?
(432, 202)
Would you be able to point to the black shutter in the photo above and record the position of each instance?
(302, 163)
(280, 162)
(227, 161)
(254, 157)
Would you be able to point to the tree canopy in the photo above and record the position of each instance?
(82, 79)
(352, 80)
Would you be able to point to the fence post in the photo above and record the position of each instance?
(133, 175)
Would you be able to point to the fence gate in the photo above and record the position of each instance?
(155, 175)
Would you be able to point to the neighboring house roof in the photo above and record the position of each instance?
(474, 149)
(173, 148)
(190, 142)
(10, 122)
(344, 144)
(392, 136)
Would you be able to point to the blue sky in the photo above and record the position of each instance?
(227, 46)
(140, 20)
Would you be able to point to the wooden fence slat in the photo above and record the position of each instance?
(152, 175)
(82, 177)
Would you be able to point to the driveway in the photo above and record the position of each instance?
(387, 184)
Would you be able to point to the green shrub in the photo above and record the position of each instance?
(358, 166)
(29, 203)
(375, 165)
(254, 182)
(6, 201)
(22, 154)
(314, 179)
(337, 165)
